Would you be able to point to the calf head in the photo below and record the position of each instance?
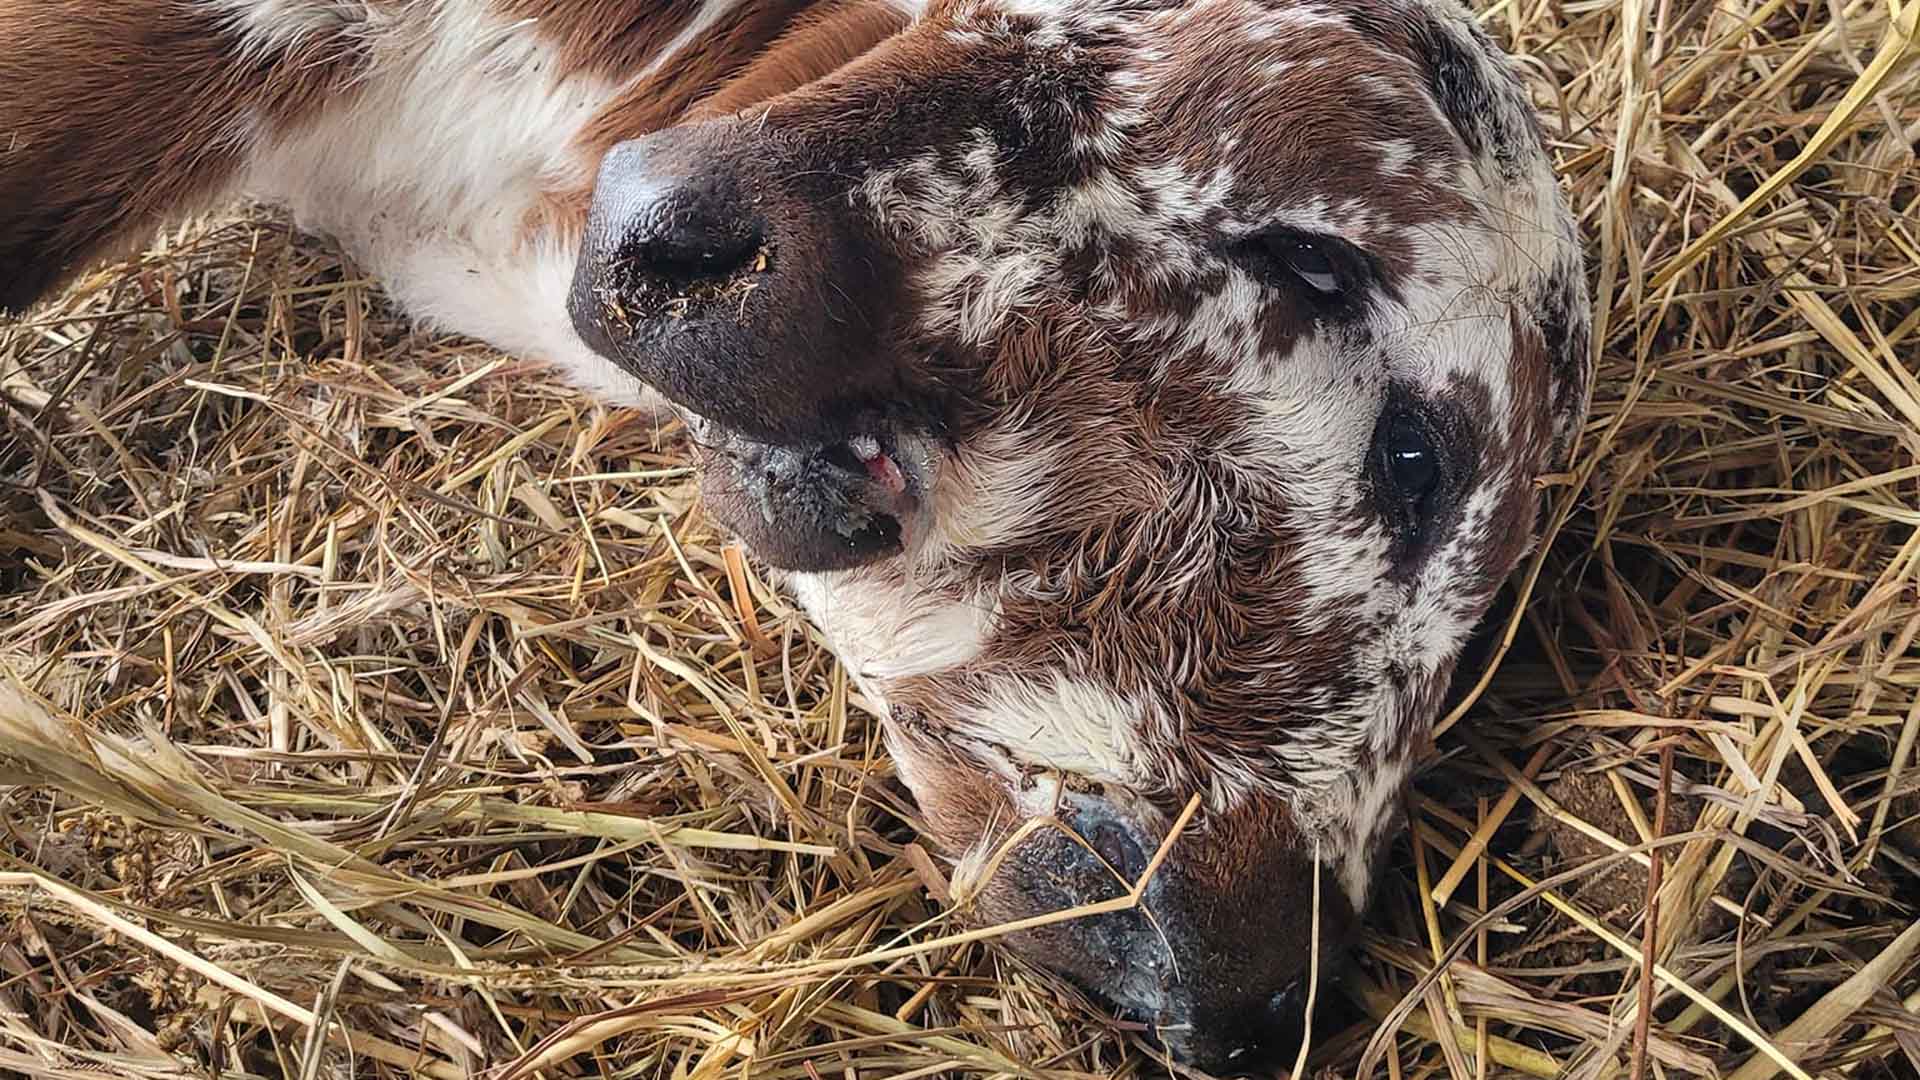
(1146, 398)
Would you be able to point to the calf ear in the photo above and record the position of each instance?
(116, 116)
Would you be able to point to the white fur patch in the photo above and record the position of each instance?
(884, 628)
(912, 9)
(427, 169)
(998, 492)
(1063, 724)
(271, 26)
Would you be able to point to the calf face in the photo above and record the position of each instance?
(1147, 398)
(1144, 396)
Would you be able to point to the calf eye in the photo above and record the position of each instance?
(1411, 460)
(1330, 269)
(1421, 462)
(1409, 471)
(1308, 262)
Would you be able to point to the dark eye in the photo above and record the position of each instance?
(1326, 267)
(1409, 461)
(1307, 261)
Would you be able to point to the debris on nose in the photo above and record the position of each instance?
(642, 287)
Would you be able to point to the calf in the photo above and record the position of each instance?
(1145, 397)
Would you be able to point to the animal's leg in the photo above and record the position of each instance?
(116, 114)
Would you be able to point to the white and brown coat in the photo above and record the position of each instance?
(1145, 396)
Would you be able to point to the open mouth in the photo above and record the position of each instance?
(817, 506)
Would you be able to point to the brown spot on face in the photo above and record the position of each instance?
(115, 115)
(1346, 102)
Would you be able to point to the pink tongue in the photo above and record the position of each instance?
(885, 473)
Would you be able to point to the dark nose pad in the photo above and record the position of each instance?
(1266, 1040)
(1254, 1040)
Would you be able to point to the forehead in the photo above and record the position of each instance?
(1280, 74)
(1292, 106)
(1286, 81)
(1376, 120)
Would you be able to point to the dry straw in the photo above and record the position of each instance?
(370, 704)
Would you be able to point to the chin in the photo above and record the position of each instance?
(821, 505)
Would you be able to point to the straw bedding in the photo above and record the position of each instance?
(373, 705)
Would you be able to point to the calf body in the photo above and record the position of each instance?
(1145, 397)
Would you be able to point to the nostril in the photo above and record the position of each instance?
(673, 231)
(1117, 846)
(696, 244)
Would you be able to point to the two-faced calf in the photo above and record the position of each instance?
(1144, 396)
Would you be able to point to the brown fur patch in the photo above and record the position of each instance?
(1347, 101)
(613, 39)
(691, 74)
(819, 42)
(113, 116)
(557, 212)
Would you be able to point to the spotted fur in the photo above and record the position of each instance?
(1154, 557)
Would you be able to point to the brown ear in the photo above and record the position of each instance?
(114, 116)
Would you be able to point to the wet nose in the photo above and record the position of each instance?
(681, 227)
(1210, 1002)
(721, 271)
(1214, 958)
